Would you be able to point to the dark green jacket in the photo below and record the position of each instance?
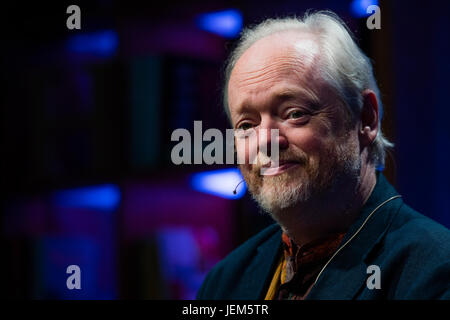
(411, 250)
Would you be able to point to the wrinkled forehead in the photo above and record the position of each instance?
(289, 46)
(280, 60)
(278, 57)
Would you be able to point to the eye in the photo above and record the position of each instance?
(296, 114)
(244, 126)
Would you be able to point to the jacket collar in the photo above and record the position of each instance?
(260, 269)
(349, 266)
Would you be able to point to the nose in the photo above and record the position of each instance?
(271, 137)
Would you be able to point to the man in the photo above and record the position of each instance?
(342, 230)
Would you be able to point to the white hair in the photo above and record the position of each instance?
(342, 64)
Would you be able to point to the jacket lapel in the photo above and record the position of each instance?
(346, 274)
(259, 272)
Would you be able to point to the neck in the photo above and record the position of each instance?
(328, 214)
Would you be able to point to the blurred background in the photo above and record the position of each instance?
(87, 118)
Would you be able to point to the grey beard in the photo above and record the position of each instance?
(280, 194)
(281, 197)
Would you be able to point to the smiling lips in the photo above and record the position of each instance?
(282, 167)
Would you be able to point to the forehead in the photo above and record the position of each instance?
(281, 59)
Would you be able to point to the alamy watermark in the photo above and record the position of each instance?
(374, 20)
(74, 20)
(74, 280)
(247, 143)
(374, 280)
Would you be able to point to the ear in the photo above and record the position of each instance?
(369, 119)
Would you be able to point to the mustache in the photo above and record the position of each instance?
(263, 160)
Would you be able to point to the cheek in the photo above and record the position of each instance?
(309, 141)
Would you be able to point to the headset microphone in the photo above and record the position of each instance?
(234, 191)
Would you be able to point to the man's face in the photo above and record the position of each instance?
(275, 85)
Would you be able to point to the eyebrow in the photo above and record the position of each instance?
(306, 96)
(295, 94)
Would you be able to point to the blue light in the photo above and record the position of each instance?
(102, 43)
(103, 197)
(226, 23)
(359, 7)
(220, 183)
